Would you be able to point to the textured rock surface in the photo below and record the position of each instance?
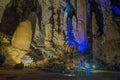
(22, 36)
(20, 43)
(51, 38)
(3, 4)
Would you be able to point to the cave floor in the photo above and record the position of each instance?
(27, 74)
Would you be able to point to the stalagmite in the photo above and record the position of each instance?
(20, 43)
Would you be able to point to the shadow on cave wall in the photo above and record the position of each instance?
(17, 11)
(116, 12)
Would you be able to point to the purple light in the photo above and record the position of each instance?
(77, 38)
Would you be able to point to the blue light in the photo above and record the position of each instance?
(70, 35)
(71, 40)
(83, 46)
(116, 9)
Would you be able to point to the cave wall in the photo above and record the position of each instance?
(52, 37)
(2, 7)
(106, 48)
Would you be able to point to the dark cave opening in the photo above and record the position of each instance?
(18, 11)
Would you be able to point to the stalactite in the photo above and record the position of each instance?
(99, 17)
(106, 11)
(51, 8)
(105, 7)
(70, 34)
(39, 14)
(59, 20)
(89, 31)
(76, 6)
(70, 12)
(32, 18)
(76, 13)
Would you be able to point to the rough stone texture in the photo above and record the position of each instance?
(106, 48)
(48, 38)
(20, 43)
(3, 4)
(80, 31)
(13, 55)
(22, 36)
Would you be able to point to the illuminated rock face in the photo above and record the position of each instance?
(22, 36)
(13, 55)
(20, 43)
(106, 47)
(55, 34)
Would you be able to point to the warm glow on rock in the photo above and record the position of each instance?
(14, 55)
(22, 36)
(20, 43)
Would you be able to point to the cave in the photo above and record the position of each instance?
(58, 36)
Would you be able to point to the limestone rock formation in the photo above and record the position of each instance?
(49, 40)
(2, 7)
(20, 43)
(22, 36)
